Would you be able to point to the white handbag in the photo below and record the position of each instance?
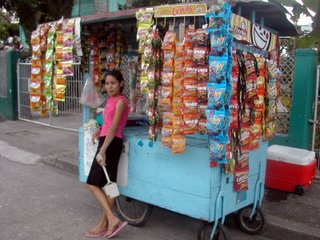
(111, 188)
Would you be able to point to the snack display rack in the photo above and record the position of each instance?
(198, 176)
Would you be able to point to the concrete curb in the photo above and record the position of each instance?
(278, 227)
(61, 163)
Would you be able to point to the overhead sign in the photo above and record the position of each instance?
(244, 30)
(180, 10)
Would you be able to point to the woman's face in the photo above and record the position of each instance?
(113, 86)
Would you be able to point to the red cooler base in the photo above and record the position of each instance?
(289, 177)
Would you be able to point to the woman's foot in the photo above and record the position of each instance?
(115, 227)
(97, 231)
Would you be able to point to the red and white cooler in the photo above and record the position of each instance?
(290, 169)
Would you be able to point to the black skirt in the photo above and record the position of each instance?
(96, 175)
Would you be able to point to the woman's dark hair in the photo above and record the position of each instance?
(116, 74)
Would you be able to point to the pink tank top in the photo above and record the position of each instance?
(109, 113)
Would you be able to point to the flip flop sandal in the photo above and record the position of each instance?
(96, 235)
(117, 230)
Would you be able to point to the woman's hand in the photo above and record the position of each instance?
(101, 159)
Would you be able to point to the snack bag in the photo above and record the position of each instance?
(234, 117)
(166, 136)
(67, 68)
(201, 37)
(202, 92)
(202, 107)
(190, 105)
(68, 40)
(167, 119)
(216, 95)
(190, 72)
(36, 74)
(169, 40)
(167, 78)
(218, 42)
(218, 149)
(251, 86)
(177, 105)
(36, 51)
(215, 120)
(218, 69)
(177, 121)
(203, 73)
(272, 70)
(250, 64)
(240, 180)
(242, 162)
(190, 87)
(179, 143)
(269, 131)
(271, 110)
(35, 87)
(190, 123)
(35, 102)
(166, 96)
(200, 55)
(272, 92)
(245, 134)
(202, 125)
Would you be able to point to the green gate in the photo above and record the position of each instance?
(8, 84)
(301, 114)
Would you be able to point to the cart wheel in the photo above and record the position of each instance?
(136, 213)
(205, 229)
(299, 190)
(254, 225)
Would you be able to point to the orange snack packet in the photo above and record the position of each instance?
(179, 143)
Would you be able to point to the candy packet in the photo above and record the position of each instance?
(216, 95)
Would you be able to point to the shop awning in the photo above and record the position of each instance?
(272, 15)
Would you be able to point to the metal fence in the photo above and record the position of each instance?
(287, 61)
(3, 74)
(70, 111)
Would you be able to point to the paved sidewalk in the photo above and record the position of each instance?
(298, 217)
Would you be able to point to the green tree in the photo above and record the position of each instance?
(33, 12)
(7, 28)
(311, 39)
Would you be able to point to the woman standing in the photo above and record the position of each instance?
(108, 154)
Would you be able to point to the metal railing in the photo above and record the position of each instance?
(284, 104)
(70, 111)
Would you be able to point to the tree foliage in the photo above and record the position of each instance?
(7, 28)
(33, 12)
(311, 39)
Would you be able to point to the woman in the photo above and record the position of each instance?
(108, 153)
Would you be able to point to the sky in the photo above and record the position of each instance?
(304, 20)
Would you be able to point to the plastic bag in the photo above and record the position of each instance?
(90, 95)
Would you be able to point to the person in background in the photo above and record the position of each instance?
(108, 154)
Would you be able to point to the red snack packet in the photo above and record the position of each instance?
(190, 105)
(240, 180)
(190, 123)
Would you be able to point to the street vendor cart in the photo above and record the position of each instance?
(194, 182)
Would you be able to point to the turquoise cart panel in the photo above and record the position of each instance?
(185, 183)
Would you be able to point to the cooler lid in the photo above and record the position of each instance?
(290, 155)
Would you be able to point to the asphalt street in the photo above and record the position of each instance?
(41, 202)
